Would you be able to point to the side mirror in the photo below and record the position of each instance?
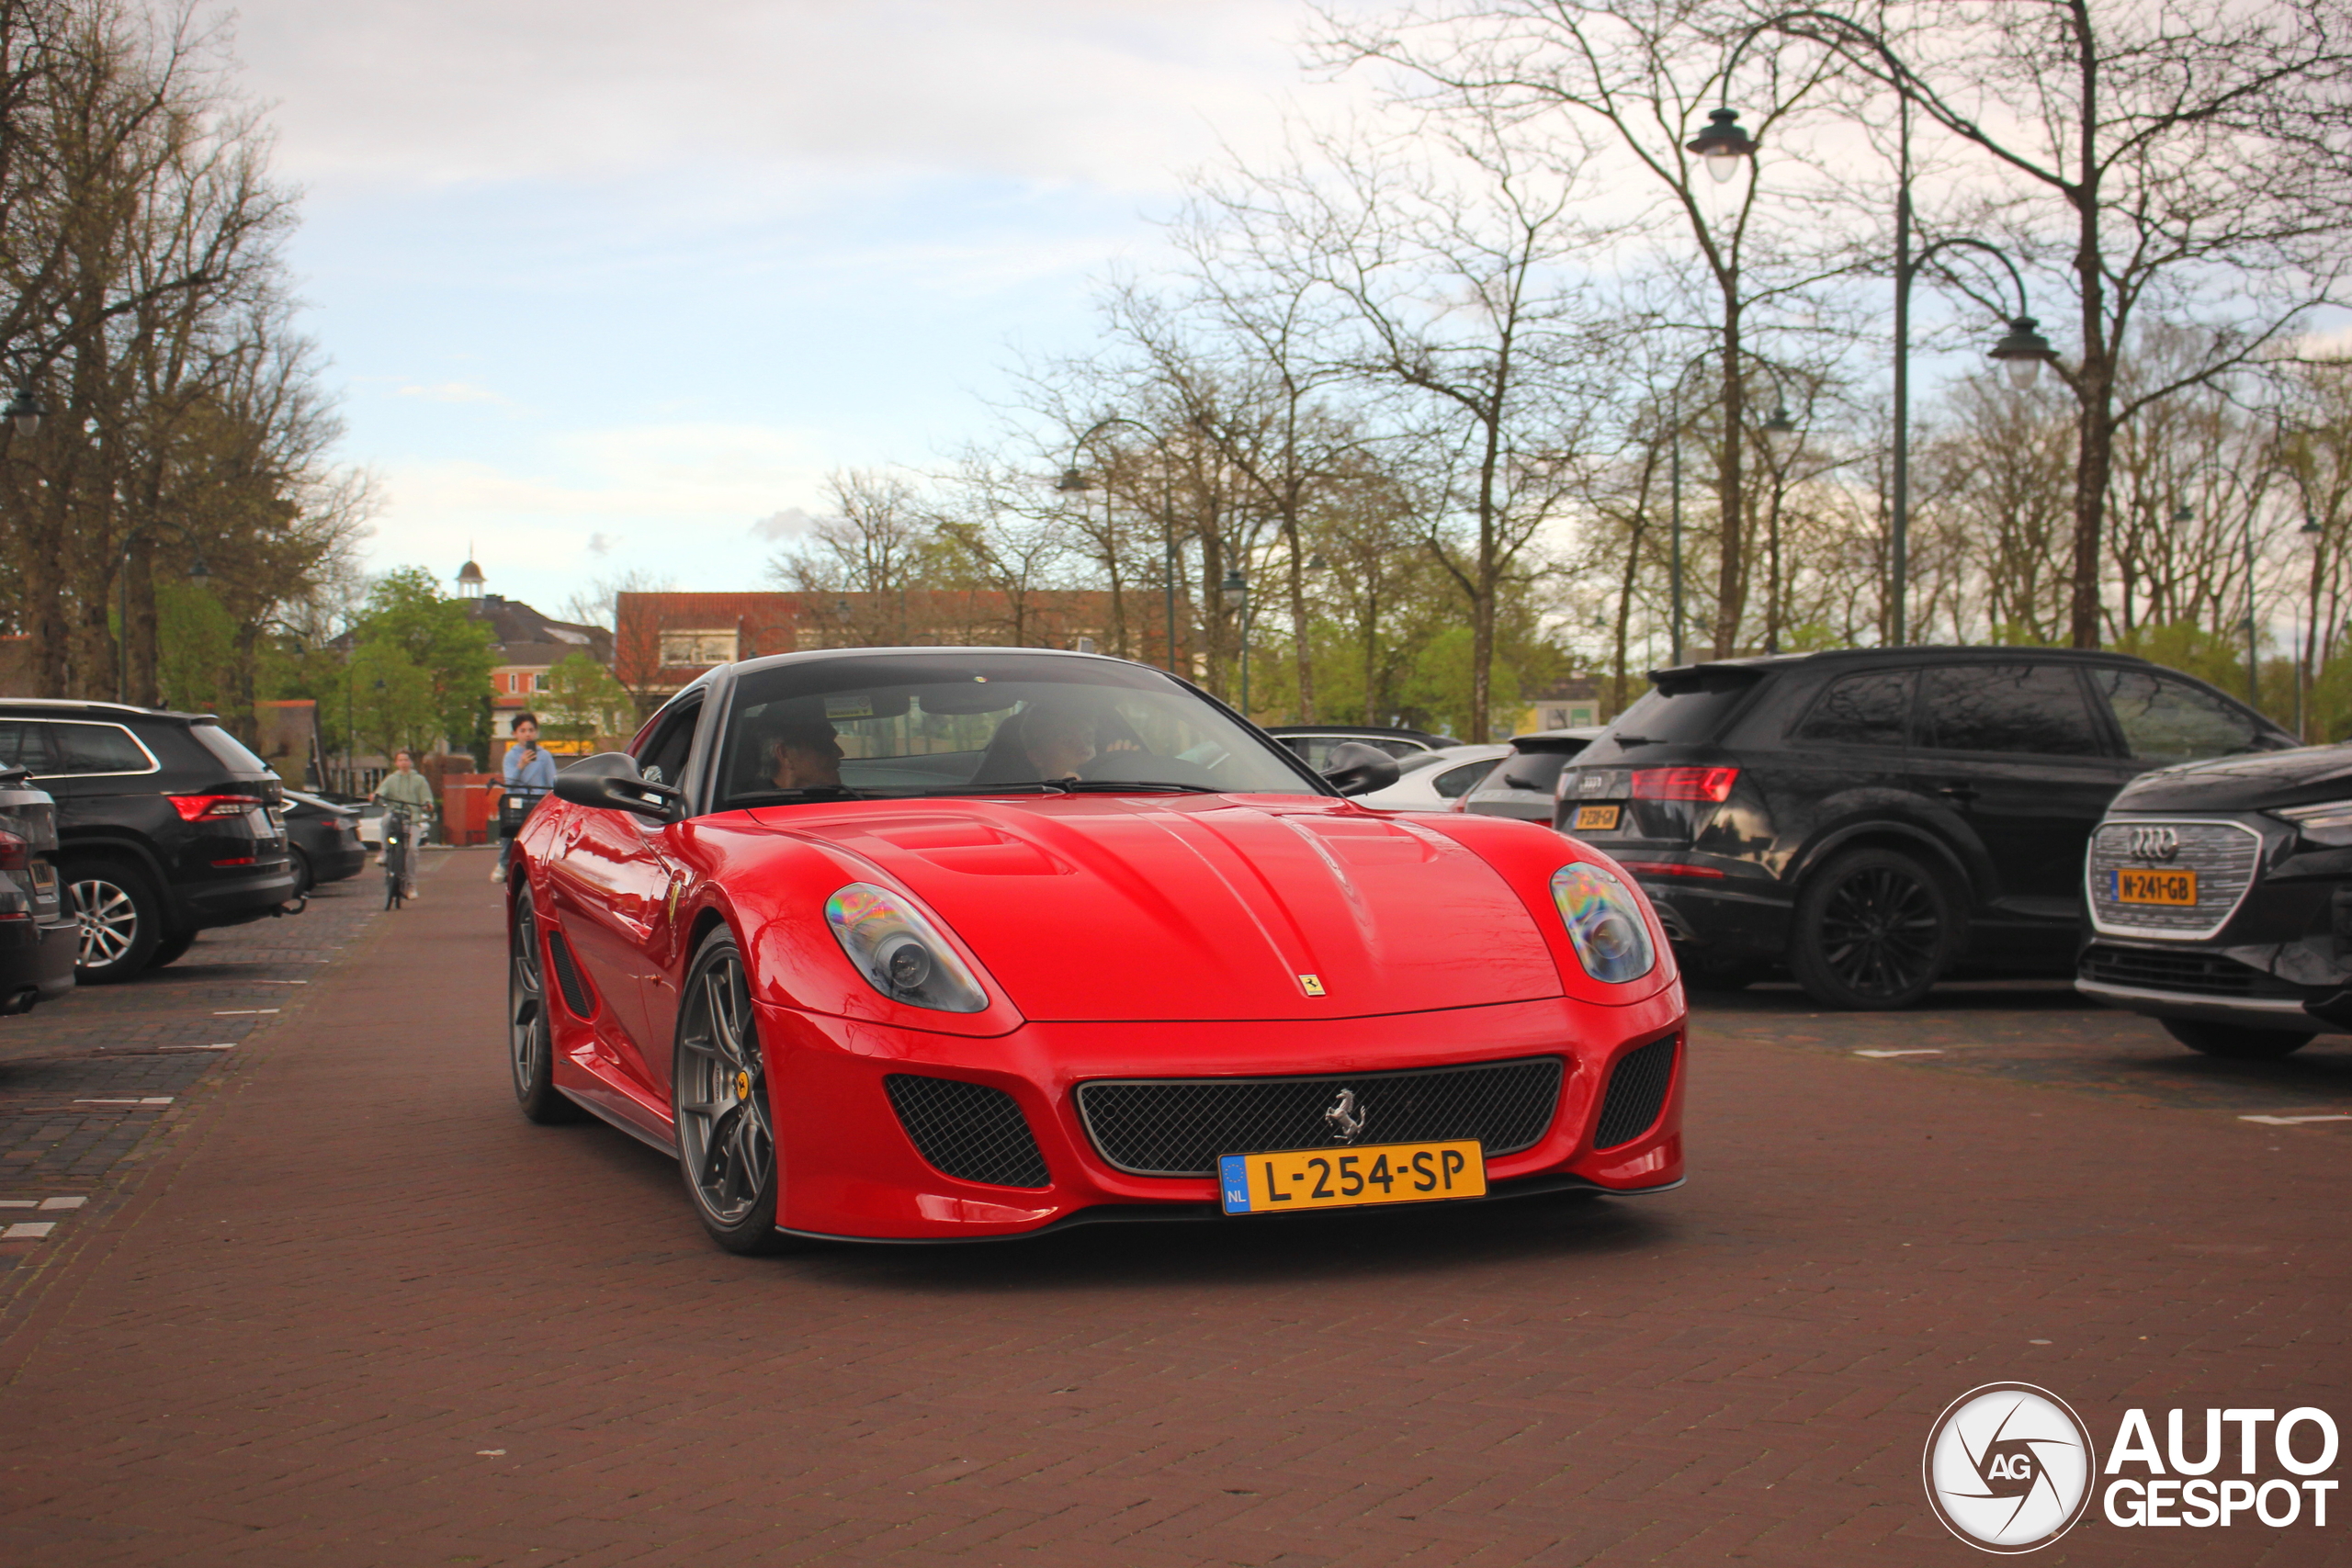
(609, 782)
(1357, 769)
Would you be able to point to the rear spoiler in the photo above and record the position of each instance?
(1714, 676)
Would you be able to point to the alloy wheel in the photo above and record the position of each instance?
(526, 1005)
(726, 1142)
(1882, 933)
(109, 919)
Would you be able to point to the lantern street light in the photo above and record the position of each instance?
(1723, 145)
(24, 411)
(2023, 350)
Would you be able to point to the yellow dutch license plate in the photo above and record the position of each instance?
(1597, 818)
(1347, 1179)
(2133, 886)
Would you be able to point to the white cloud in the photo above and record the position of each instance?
(778, 527)
(601, 543)
(429, 92)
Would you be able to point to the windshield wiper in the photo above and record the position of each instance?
(1105, 786)
(816, 791)
(1030, 786)
(1082, 786)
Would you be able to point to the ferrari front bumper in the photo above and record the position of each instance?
(852, 1168)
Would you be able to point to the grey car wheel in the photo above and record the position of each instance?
(121, 923)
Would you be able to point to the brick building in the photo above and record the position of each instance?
(664, 640)
(526, 645)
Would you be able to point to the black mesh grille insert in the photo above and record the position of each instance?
(968, 1129)
(2208, 974)
(1636, 1094)
(1179, 1126)
(567, 977)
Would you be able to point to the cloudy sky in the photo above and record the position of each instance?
(605, 285)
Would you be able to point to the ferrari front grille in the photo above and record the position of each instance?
(1636, 1094)
(1179, 1126)
(568, 979)
(968, 1129)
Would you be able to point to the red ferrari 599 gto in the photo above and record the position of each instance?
(941, 943)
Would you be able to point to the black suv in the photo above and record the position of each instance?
(2220, 900)
(37, 934)
(166, 825)
(1879, 820)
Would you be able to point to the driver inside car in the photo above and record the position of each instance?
(806, 754)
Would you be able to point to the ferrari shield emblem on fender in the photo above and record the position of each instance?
(1311, 984)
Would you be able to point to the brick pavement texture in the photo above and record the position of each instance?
(361, 1314)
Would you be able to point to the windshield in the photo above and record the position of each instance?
(891, 726)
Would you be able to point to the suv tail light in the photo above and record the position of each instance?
(15, 852)
(195, 808)
(1684, 783)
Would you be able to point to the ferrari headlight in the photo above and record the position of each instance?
(900, 952)
(1604, 920)
(2329, 822)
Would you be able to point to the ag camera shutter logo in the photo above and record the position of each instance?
(2008, 1467)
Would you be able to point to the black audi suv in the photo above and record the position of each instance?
(166, 825)
(1876, 820)
(2220, 902)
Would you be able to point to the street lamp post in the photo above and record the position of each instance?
(1235, 590)
(1777, 429)
(1723, 145)
(1074, 481)
(197, 572)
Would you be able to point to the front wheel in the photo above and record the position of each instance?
(530, 1048)
(1875, 929)
(720, 1091)
(2236, 1042)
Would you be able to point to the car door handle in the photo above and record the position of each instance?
(1961, 793)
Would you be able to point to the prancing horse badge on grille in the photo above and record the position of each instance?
(1346, 1117)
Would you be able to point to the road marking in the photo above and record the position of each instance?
(2291, 1120)
(1883, 1053)
(27, 1230)
(152, 1100)
(285, 982)
(62, 1202)
(19, 1202)
(489, 1453)
(241, 1012)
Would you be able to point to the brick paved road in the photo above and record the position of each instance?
(358, 1313)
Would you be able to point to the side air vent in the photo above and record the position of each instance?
(568, 979)
(1636, 1094)
(968, 1129)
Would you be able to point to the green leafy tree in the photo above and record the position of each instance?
(583, 701)
(393, 700)
(408, 613)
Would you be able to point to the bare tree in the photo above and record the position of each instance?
(2183, 142)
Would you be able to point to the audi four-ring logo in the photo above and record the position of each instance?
(2154, 843)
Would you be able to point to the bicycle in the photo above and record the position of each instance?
(400, 856)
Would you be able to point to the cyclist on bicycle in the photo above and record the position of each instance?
(530, 775)
(408, 792)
